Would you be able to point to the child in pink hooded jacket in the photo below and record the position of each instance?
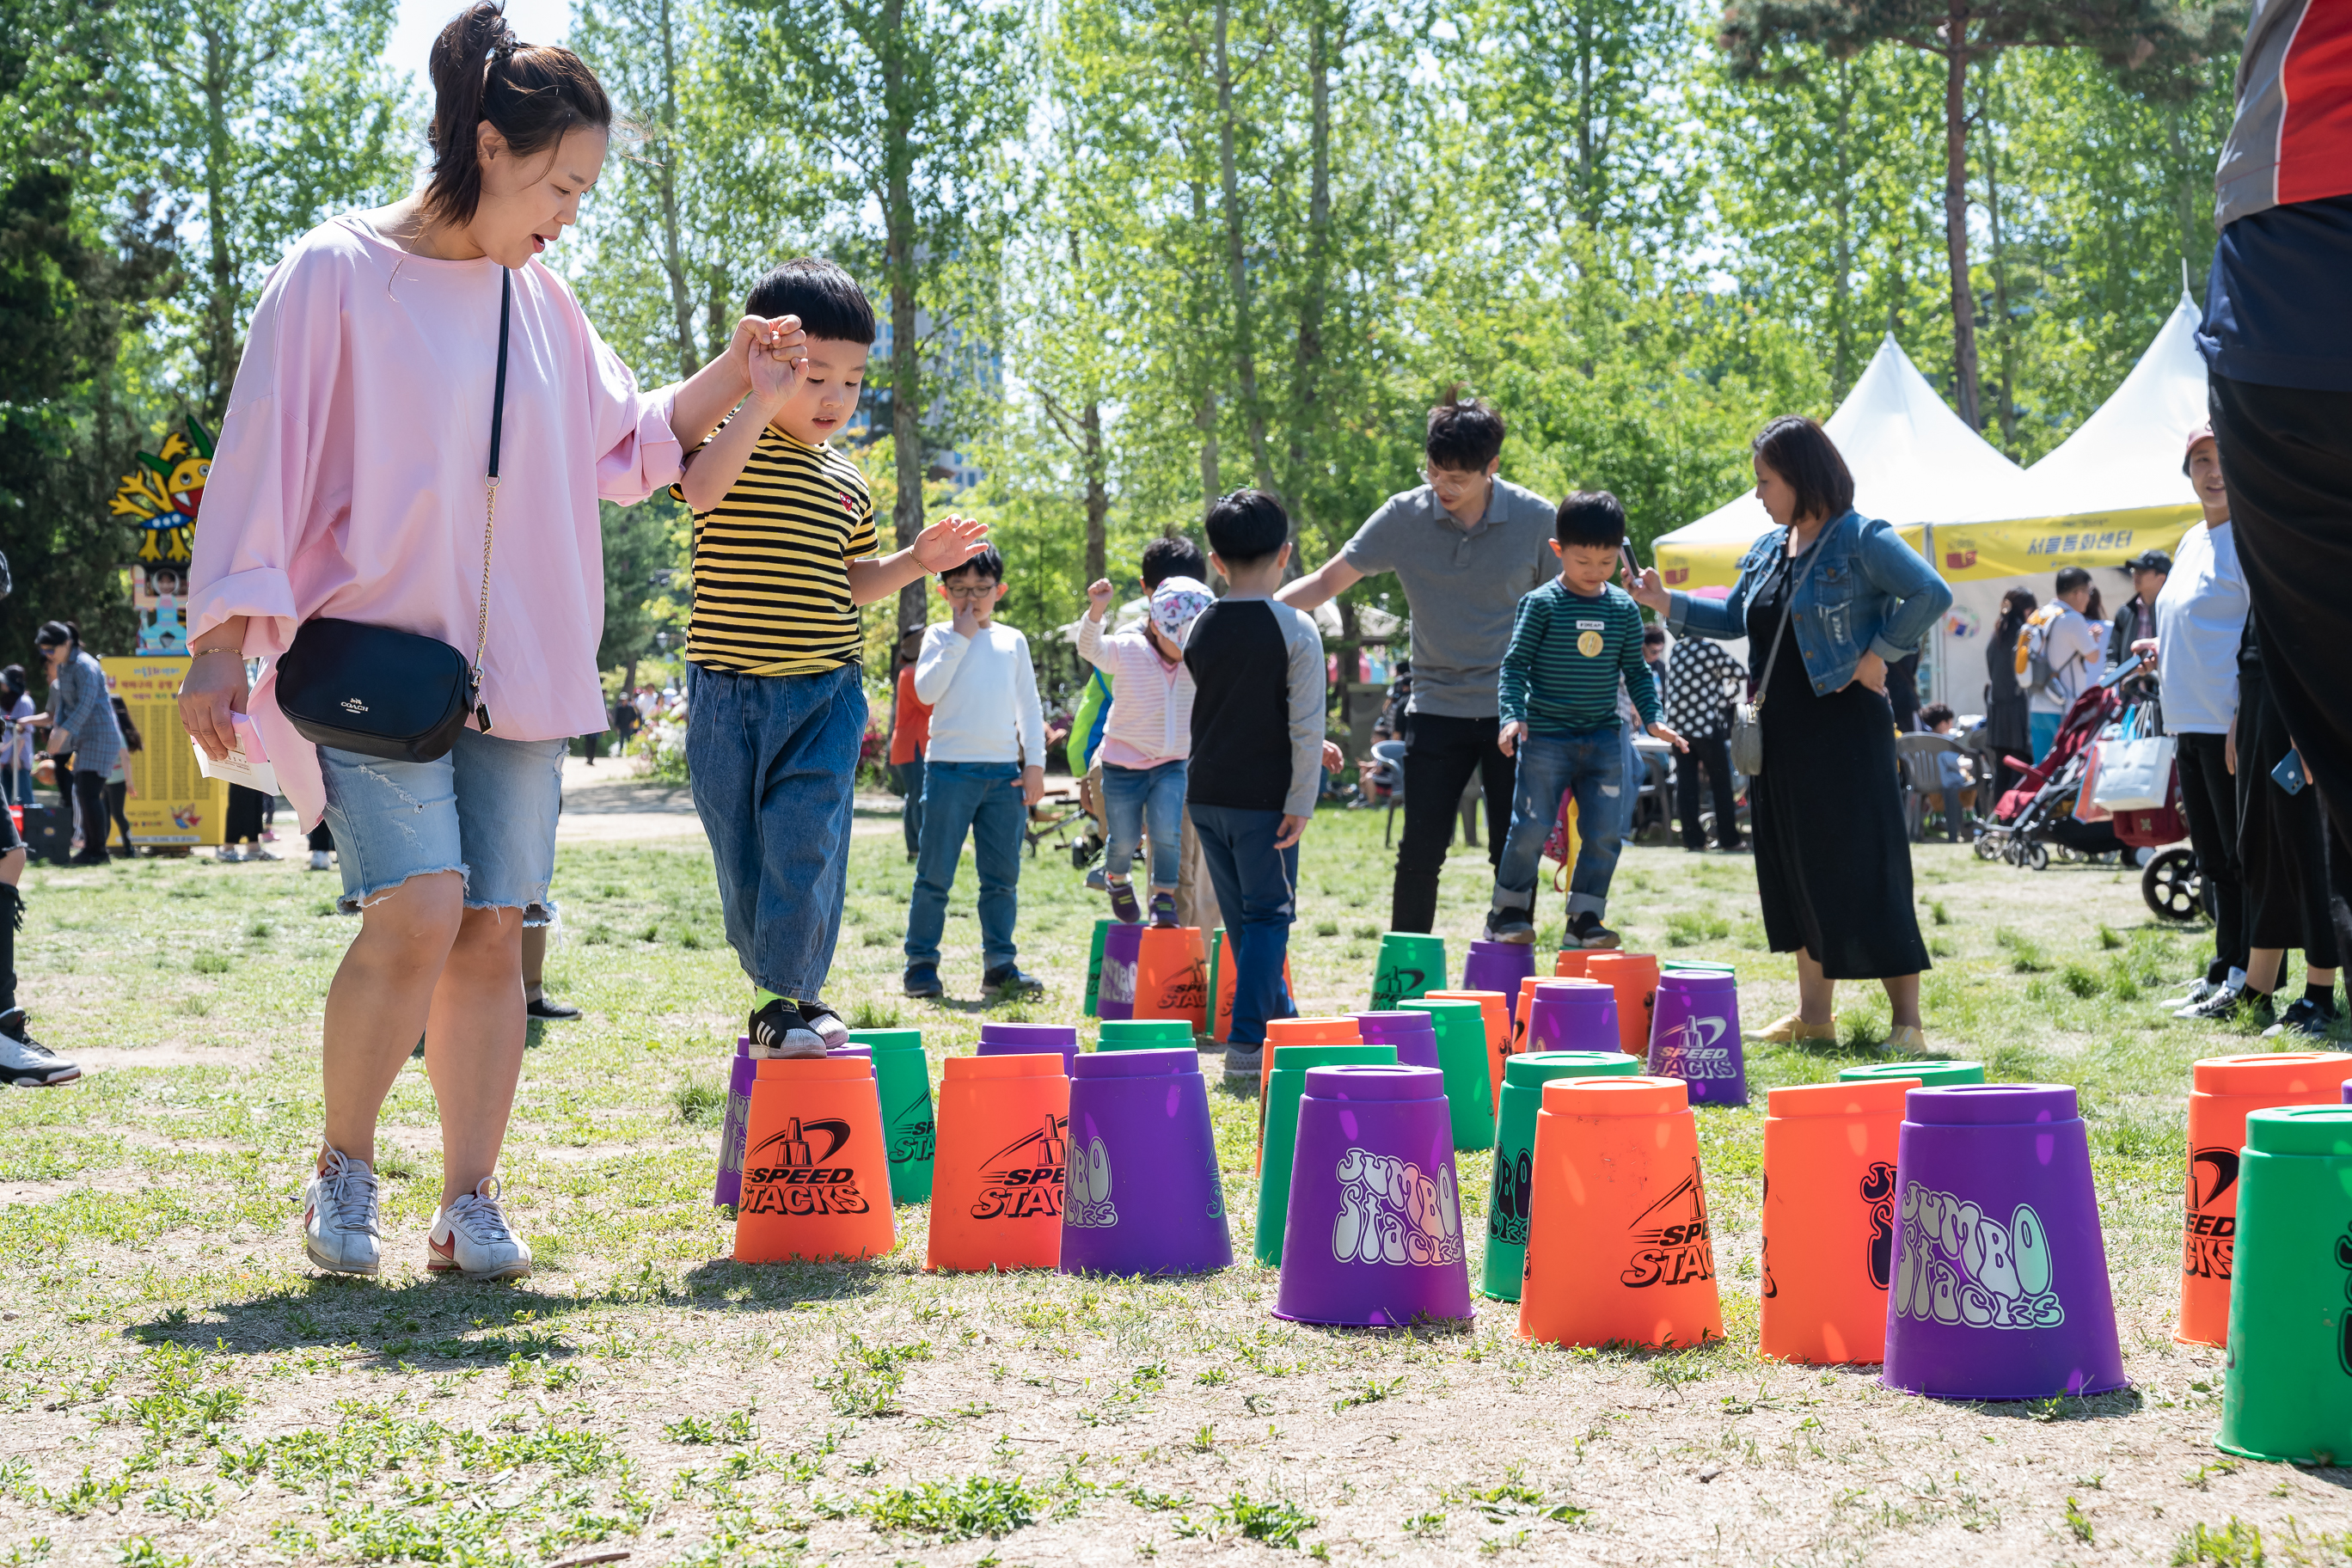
(1148, 740)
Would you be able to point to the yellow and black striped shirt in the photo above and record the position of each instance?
(771, 563)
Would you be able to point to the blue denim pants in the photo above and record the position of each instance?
(1592, 763)
(1134, 798)
(984, 800)
(1256, 887)
(910, 803)
(774, 762)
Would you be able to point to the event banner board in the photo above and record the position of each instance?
(1974, 552)
(2022, 547)
(169, 802)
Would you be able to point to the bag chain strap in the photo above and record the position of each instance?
(490, 496)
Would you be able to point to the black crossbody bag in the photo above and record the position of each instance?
(385, 693)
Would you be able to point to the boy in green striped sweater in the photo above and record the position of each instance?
(1577, 641)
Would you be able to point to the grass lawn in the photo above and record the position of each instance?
(178, 1387)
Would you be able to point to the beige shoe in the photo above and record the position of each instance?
(1792, 1029)
(1906, 1039)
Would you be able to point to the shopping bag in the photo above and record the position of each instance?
(2135, 769)
(2086, 800)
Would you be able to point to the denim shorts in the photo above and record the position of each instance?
(485, 810)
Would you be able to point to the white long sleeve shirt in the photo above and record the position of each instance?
(1151, 702)
(982, 692)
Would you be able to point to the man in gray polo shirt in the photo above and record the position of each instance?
(1467, 546)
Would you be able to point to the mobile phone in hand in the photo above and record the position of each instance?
(2288, 775)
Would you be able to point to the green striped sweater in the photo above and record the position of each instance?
(1568, 654)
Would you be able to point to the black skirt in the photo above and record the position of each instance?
(1832, 854)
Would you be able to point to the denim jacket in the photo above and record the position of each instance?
(1865, 589)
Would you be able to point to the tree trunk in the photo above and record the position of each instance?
(1842, 255)
(219, 352)
(2002, 344)
(901, 265)
(1587, 207)
(1955, 212)
(1098, 495)
(666, 179)
(1236, 261)
(1205, 415)
(1306, 362)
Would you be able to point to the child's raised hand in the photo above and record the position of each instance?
(1098, 597)
(778, 353)
(948, 543)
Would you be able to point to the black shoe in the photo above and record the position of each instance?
(25, 1062)
(2235, 1007)
(551, 1012)
(1009, 980)
(777, 1032)
(89, 857)
(923, 980)
(2305, 1018)
(1586, 930)
(826, 1024)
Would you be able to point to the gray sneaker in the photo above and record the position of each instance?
(1243, 1067)
(339, 1216)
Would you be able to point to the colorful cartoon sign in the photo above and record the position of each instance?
(160, 498)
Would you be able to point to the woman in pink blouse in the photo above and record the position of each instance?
(348, 481)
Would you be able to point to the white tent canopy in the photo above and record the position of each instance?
(1914, 460)
(2128, 455)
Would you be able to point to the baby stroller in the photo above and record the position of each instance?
(2040, 811)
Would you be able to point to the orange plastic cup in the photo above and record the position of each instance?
(2223, 1088)
(1296, 1031)
(1172, 976)
(1618, 1243)
(1221, 965)
(1496, 1009)
(1634, 977)
(1000, 1159)
(1829, 1219)
(1570, 965)
(817, 1174)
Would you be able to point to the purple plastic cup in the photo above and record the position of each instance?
(1574, 1016)
(2348, 1091)
(1373, 1238)
(1122, 953)
(1998, 1281)
(1499, 966)
(1694, 1036)
(726, 1188)
(1029, 1039)
(1144, 1194)
(1412, 1034)
(853, 1049)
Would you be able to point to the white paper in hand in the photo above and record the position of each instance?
(248, 763)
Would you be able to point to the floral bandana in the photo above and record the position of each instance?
(1176, 604)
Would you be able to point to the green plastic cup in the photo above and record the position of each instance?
(1514, 1154)
(1142, 1034)
(1931, 1075)
(1463, 1057)
(1409, 964)
(902, 1076)
(1694, 966)
(2287, 1390)
(1284, 1086)
(1094, 968)
(1216, 962)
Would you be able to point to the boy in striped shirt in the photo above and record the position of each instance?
(1576, 640)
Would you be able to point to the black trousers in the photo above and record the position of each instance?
(89, 811)
(1714, 754)
(2287, 454)
(1441, 753)
(2209, 799)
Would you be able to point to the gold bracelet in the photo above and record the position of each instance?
(200, 652)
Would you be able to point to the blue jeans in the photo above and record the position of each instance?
(2042, 729)
(910, 806)
(1133, 797)
(1592, 763)
(1256, 887)
(773, 759)
(486, 809)
(983, 799)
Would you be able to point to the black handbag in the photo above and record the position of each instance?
(397, 695)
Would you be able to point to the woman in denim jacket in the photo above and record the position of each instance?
(1832, 854)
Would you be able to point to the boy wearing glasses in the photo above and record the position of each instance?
(783, 555)
(984, 770)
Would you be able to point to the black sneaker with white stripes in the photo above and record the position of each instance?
(25, 1062)
(778, 1030)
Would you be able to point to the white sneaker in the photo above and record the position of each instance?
(25, 1062)
(225, 852)
(317, 859)
(339, 1229)
(472, 1237)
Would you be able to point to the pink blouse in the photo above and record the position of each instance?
(348, 479)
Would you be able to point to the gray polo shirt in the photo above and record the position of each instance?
(1463, 585)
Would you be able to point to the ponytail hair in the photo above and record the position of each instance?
(531, 93)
